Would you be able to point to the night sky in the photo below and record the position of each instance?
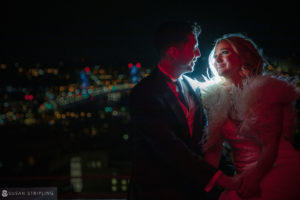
(117, 33)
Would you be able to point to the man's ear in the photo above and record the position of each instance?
(173, 52)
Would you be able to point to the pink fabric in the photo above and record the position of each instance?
(244, 117)
(281, 182)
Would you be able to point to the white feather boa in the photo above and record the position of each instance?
(261, 92)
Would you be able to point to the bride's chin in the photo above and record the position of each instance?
(191, 66)
(223, 72)
(190, 69)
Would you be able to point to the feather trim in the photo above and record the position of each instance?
(266, 91)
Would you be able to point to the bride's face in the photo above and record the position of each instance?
(226, 61)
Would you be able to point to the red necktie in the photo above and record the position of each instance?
(181, 96)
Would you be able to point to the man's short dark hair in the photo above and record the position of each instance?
(172, 33)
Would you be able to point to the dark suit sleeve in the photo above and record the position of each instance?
(151, 123)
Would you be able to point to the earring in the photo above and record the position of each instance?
(244, 72)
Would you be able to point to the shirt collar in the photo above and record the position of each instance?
(168, 75)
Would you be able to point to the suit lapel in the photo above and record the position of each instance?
(199, 118)
(194, 91)
(171, 100)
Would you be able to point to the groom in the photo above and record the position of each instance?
(168, 122)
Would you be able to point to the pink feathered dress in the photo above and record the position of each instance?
(241, 116)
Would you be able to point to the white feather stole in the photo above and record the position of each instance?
(262, 92)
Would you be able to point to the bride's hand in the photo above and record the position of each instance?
(249, 186)
(234, 182)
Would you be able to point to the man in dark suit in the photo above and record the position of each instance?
(168, 122)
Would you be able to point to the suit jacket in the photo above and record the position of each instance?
(167, 162)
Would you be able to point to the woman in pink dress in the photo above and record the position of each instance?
(253, 113)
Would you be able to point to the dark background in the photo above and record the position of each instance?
(76, 37)
(119, 32)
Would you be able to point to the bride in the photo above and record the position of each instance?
(255, 115)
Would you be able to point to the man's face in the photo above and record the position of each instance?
(188, 54)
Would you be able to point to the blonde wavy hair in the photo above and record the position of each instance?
(245, 48)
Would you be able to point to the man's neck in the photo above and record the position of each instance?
(169, 69)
